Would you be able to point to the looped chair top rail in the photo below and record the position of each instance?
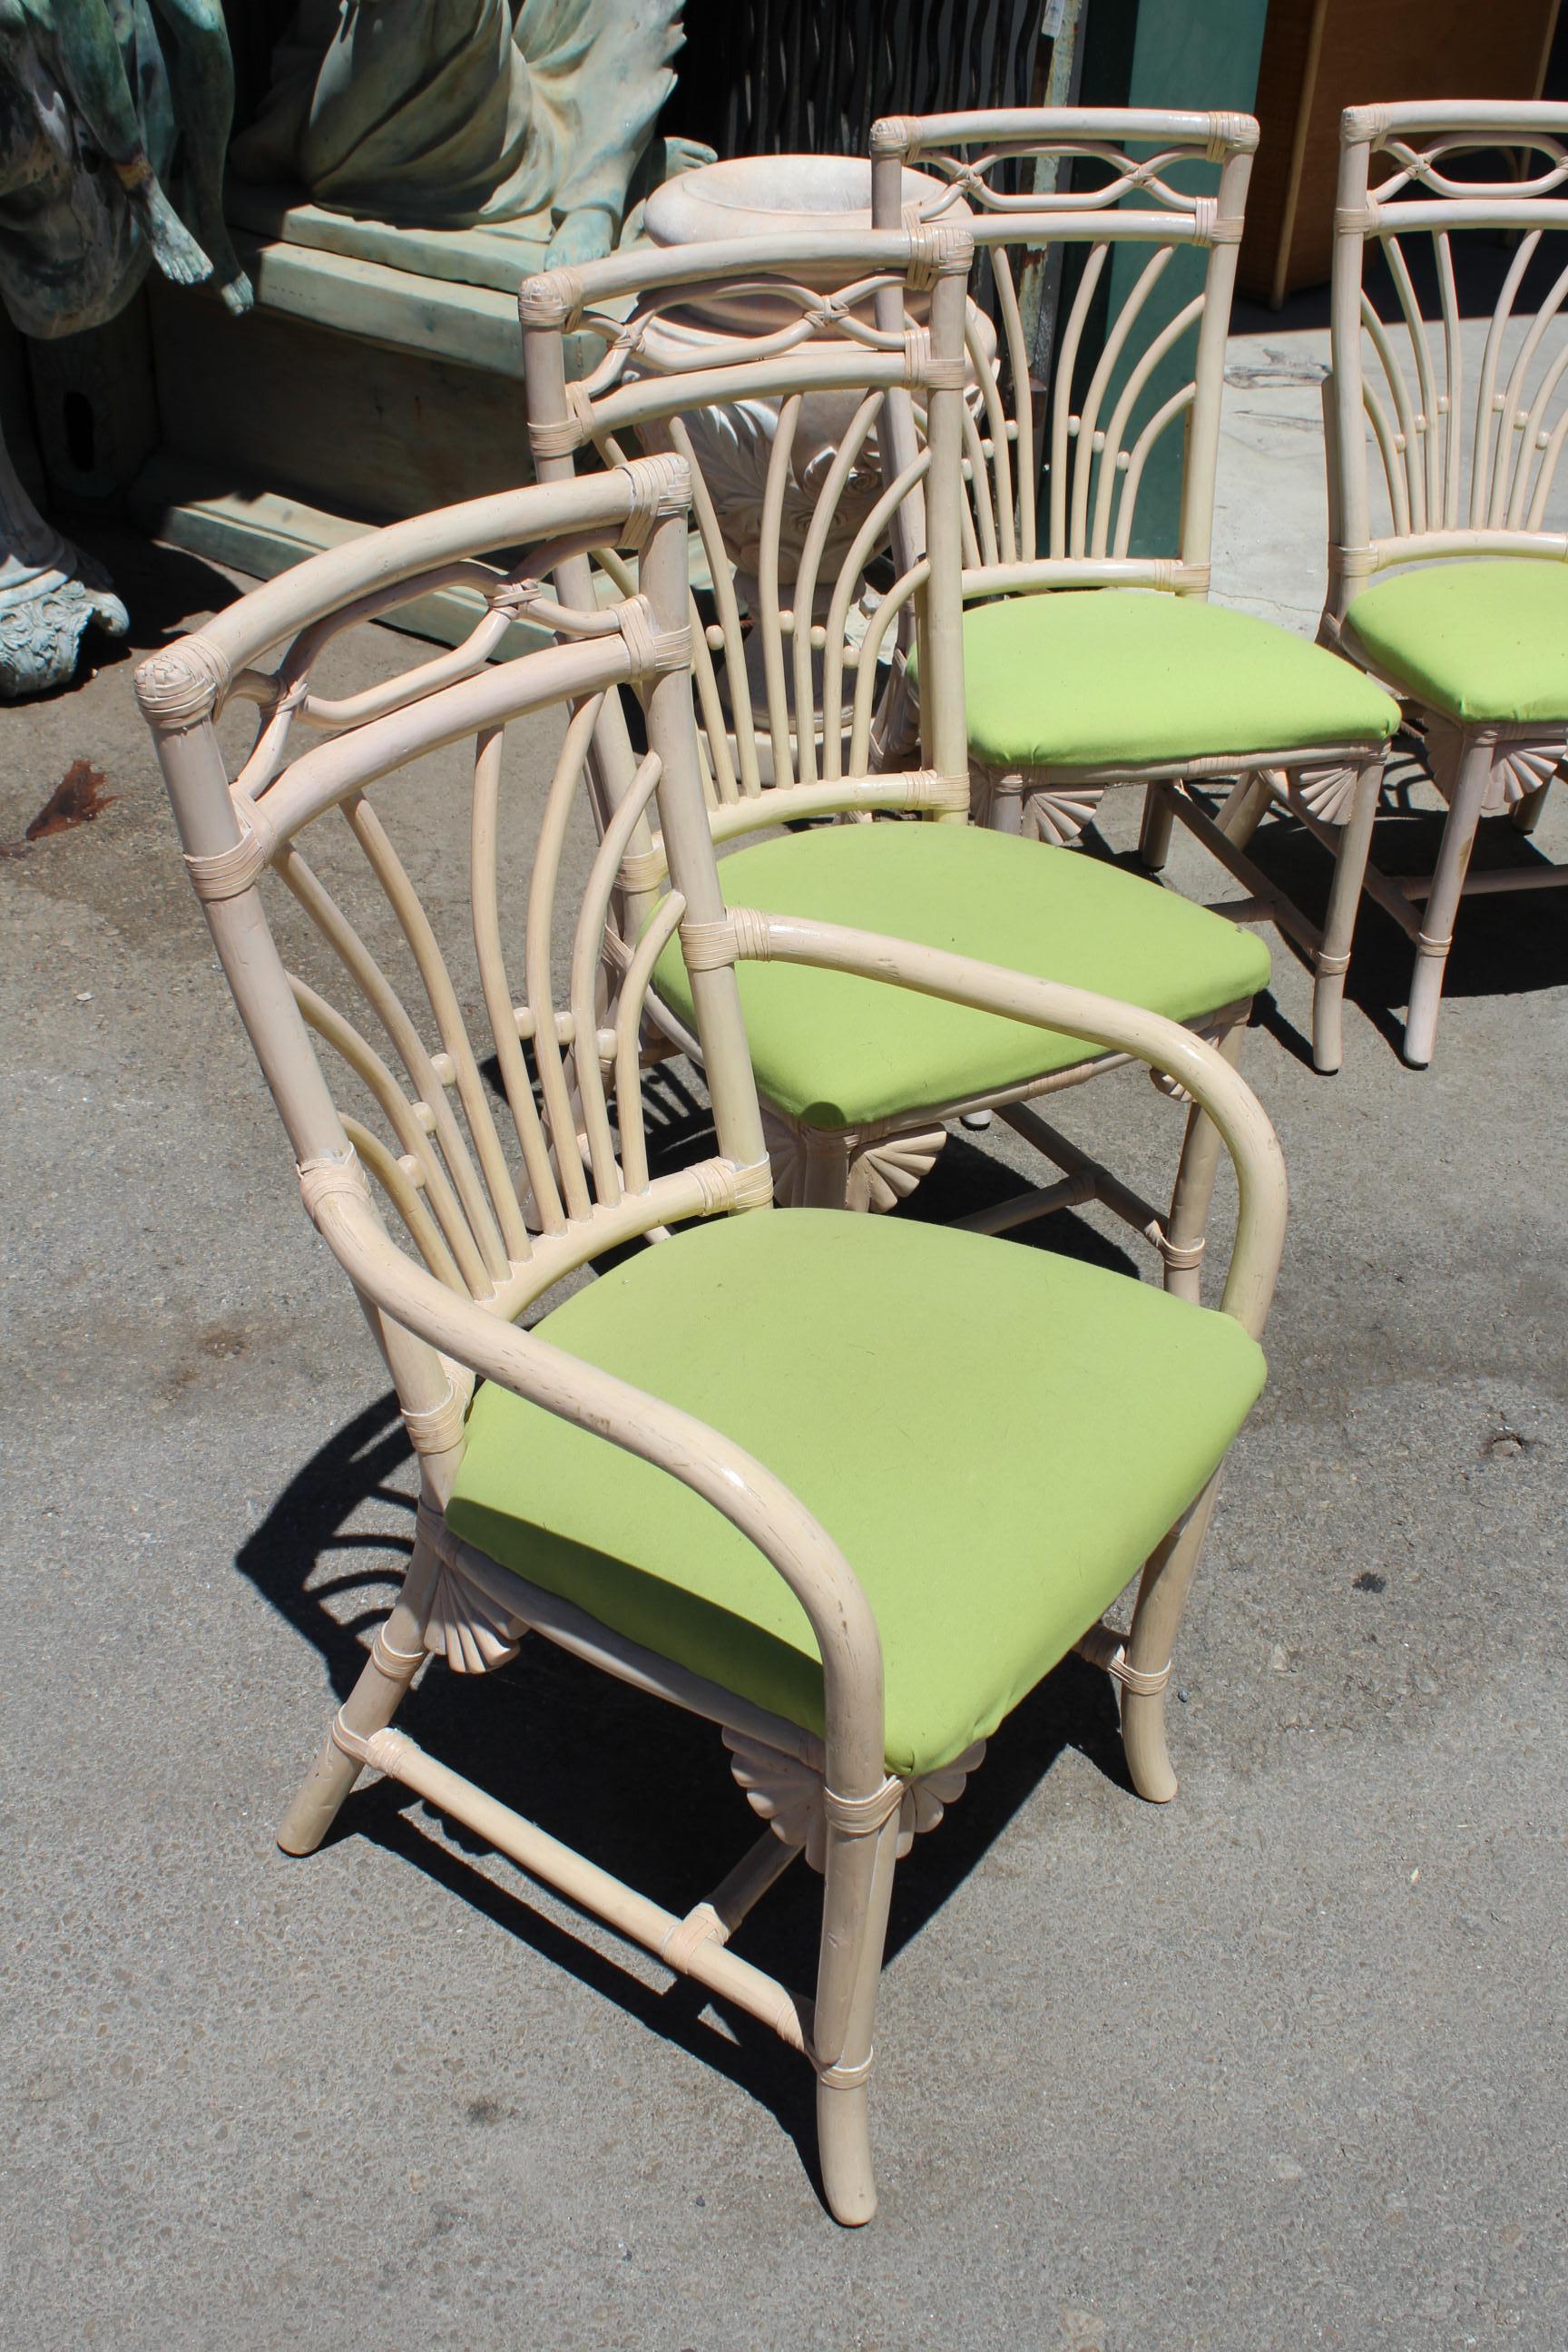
(1465, 431)
(190, 680)
(557, 297)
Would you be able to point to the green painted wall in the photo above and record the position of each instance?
(1185, 53)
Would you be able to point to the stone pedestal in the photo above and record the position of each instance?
(50, 595)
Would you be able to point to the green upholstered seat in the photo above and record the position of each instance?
(1477, 640)
(995, 1437)
(836, 1051)
(1099, 677)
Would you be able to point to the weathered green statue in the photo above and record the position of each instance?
(101, 103)
(450, 113)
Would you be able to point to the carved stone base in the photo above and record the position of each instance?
(50, 595)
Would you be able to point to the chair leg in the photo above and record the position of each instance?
(857, 1887)
(396, 1655)
(1183, 1247)
(824, 1181)
(1243, 807)
(1437, 933)
(999, 796)
(1162, 1597)
(1155, 832)
(1525, 814)
(1332, 961)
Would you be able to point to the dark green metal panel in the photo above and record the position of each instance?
(1169, 53)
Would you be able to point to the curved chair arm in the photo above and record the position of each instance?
(749, 935)
(748, 1494)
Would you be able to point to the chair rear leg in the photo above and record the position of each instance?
(1526, 814)
(395, 1657)
(1154, 832)
(996, 798)
(1332, 961)
(857, 1887)
(1183, 1247)
(1162, 1597)
(1437, 933)
(824, 1181)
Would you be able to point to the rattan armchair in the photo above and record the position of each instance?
(764, 366)
(669, 1474)
(1143, 681)
(1475, 641)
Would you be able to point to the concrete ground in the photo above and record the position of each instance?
(1280, 2066)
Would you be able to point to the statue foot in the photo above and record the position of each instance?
(682, 154)
(211, 233)
(175, 250)
(587, 235)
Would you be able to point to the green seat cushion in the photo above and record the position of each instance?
(993, 1436)
(1101, 678)
(836, 1051)
(1477, 641)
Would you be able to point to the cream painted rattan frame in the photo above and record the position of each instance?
(1459, 479)
(445, 1312)
(1098, 460)
(767, 765)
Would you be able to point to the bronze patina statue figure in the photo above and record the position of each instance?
(457, 114)
(105, 106)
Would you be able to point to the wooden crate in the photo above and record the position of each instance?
(1321, 56)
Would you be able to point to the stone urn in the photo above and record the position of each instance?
(769, 195)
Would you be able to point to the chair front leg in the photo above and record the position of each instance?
(1162, 1597)
(396, 1655)
(857, 1887)
(1182, 1247)
(1436, 936)
(1333, 959)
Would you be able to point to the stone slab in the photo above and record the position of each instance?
(499, 259)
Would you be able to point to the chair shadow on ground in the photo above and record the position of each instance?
(1510, 943)
(641, 1787)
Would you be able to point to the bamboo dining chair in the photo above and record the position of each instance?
(669, 1474)
(821, 560)
(1070, 690)
(1472, 629)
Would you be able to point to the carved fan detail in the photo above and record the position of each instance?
(787, 1794)
(473, 1631)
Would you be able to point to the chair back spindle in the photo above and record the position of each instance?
(1444, 441)
(1103, 202)
(767, 368)
(437, 1020)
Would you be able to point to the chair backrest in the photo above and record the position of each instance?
(468, 1072)
(767, 366)
(1086, 399)
(1468, 428)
